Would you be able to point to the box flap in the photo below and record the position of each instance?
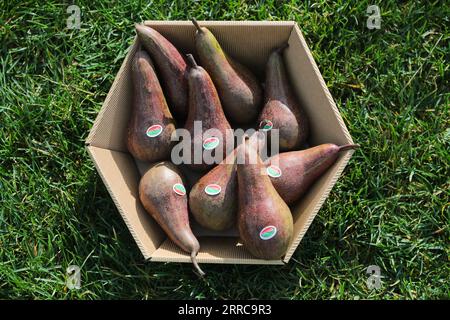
(212, 250)
(121, 178)
(306, 210)
(327, 125)
(109, 128)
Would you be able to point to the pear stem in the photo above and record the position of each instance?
(346, 147)
(196, 266)
(191, 60)
(194, 21)
(282, 48)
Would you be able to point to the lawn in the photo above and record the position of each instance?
(390, 208)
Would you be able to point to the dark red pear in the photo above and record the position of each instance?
(282, 110)
(171, 67)
(205, 110)
(163, 195)
(264, 219)
(293, 173)
(151, 124)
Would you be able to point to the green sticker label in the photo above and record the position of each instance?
(266, 125)
(268, 232)
(210, 143)
(212, 189)
(154, 131)
(179, 189)
(273, 171)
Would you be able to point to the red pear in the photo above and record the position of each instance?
(171, 67)
(205, 109)
(282, 110)
(151, 124)
(163, 195)
(264, 219)
(292, 173)
(213, 199)
(239, 90)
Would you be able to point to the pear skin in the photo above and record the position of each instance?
(300, 169)
(171, 67)
(264, 219)
(162, 193)
(151, 124)
(213, 199)
(239, 90)
(205, 106)
(282, 110)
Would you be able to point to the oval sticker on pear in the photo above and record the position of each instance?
(273, 171)
(179, 189)
(154, 131)
(266, 125)
(210, 143)
(268, 232)
(213, 189)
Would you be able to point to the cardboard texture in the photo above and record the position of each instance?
(250, 43)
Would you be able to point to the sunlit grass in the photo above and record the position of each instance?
(390, 208)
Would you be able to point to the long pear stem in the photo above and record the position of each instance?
(346, 147)
(191, 60)
(194, 21)
(195, 263)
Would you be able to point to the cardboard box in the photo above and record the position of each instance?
(250, 43)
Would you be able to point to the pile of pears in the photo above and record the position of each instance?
(171, 91)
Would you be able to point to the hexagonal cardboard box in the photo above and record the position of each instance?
(250, 43)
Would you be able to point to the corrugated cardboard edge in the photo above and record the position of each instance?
(346, 157)
(297, 30)
(222, 23)
(111, 91)
(146, 253)
(187, 259)
(317, 207)
(221, 248)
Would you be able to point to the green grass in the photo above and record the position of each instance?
(390, 208)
